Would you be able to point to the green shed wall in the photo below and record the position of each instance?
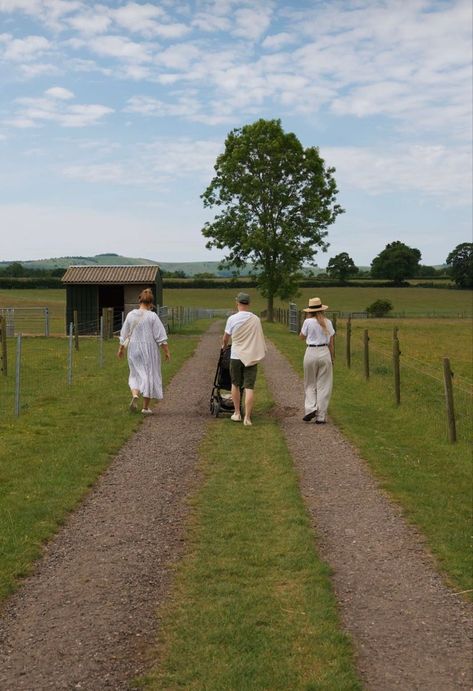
(84, 299)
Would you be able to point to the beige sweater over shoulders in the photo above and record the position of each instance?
(249, 340)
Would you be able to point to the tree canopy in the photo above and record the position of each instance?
(460, 261)
(275, 200)
(396, 262)
(341, 266)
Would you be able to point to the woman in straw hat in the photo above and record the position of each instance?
(318, 333)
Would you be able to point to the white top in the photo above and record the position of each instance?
(314, 333)
(233, 323)
(147, 333)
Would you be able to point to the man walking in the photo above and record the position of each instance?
(248, 348)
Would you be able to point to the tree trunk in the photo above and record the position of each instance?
(270, 316)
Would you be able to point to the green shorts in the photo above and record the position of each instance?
(242, 376)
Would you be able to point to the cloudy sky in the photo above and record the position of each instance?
(112, 114)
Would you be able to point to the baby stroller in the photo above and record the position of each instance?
(221, 398)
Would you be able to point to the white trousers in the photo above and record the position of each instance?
(318, 378)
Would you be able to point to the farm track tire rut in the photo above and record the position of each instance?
(86, 618)
(409, 630)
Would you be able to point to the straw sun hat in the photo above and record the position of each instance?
(315, 305)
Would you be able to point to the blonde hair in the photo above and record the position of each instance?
(320, 316)
(146, 297)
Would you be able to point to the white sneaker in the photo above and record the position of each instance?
(147, 411)
(247, 422)
(236, 417)
(134, 404)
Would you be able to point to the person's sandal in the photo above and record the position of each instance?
(247, 422)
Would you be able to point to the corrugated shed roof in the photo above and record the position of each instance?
(111, 274)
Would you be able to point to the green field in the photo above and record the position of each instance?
(410, 301)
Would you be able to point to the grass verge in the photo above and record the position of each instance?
(63, 439)
(406, 446)
(252, 606)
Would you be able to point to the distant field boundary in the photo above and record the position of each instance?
(192, 283)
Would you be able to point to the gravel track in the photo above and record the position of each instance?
(409, 630)
(87, 616)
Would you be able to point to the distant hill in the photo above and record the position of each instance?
(189, 268)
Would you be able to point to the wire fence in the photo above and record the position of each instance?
(26, 320)
(36, 368)
(404, 379)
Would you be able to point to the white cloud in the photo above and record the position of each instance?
(91, 22)
(31, 71)
(118, 47)
(251, 23)
(151, 164)
(60, 93)
(105, 172)
(52, 107)
(178, 57)
(436, 171)
(24, 49)
(277, 41)
(49, 12)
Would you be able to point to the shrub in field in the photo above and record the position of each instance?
(379, 308)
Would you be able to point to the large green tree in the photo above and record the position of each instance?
(460, 261)
(342, 266)
(396, 262)
(275, 200)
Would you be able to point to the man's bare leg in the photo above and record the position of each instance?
(249, 398)
(236, 398)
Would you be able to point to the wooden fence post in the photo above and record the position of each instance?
(396, 367)
(366, 354)
(76, 329)
(3, 343)
(348, 351)
(447, 377)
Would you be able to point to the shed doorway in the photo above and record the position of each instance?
(113, 296)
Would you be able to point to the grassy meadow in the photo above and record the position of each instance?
(407, 445)
(65, 436)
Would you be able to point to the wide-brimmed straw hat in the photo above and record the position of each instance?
(315, 305)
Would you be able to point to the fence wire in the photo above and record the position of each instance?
(42, 368)
(422, 384)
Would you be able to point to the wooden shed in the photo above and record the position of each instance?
(90, 289)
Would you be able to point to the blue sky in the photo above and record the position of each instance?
(112, 115)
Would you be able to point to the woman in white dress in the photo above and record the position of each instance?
(318, 332)
(145, 334)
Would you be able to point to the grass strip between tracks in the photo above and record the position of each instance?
(62, 442)
(252, 606)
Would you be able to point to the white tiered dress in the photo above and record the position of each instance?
(144, 358)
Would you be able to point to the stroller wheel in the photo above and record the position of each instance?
(216, 408)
